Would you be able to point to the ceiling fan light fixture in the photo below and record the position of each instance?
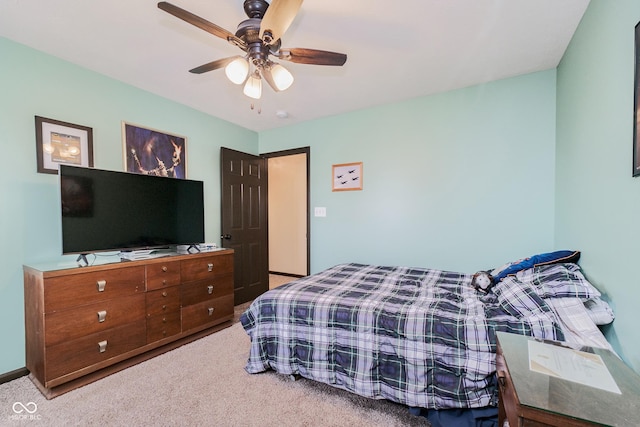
(259, 37)
(282, 78)
(237, 70)
(253, 86)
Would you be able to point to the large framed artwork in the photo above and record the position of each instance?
(636, 106)
(153, 152)
(347, 177)
(60, 142)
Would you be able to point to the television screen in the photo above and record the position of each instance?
(106, 210)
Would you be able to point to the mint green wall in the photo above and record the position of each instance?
(597, 200)
(462, 180)
(31, 84)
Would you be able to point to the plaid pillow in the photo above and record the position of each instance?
(559, 281)
(519, 299)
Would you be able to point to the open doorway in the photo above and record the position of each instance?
(288, 214)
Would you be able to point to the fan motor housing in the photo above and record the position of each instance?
(249, 31)
(255, 8)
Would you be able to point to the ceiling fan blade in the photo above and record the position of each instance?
(278, 18)
(201, 23)
(312, 56)
(214, 65)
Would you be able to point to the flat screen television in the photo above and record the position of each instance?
(106, 210)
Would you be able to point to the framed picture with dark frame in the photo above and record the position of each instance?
(153, 152)
(636, 105)
(60, 142)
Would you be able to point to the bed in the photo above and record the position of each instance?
(420, 337)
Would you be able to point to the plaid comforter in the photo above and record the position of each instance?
(419, 337)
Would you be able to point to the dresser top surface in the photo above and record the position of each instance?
(552, 392)
(113, 260)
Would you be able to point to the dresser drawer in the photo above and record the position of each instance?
(207, 313)
(78, 289)
(73, 323)
(163, 274)
(203, 268)
(202, 290)
(162, 326)
(70, 356)
(163, 301)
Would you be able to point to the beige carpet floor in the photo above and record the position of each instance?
(200, 384)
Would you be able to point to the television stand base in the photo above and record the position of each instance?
(191, 249)
(82, 260)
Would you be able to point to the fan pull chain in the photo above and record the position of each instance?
(259, 108)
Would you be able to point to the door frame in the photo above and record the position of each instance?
(290, 152)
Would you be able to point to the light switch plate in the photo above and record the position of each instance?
(320, 211)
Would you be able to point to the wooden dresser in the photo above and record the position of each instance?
(85, 323)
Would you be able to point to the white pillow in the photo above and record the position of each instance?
(599, 311)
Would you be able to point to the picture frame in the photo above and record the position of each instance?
(59, 142)
(347, 176)
(154, 152)
(636, 105)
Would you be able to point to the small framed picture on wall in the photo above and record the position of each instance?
(60, 142)
(347, 176)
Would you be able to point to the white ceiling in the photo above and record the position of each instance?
(396, 50)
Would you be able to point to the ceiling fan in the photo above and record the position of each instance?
(259, 37)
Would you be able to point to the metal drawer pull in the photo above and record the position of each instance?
(101, 284)
(210, 289)
(210, 265)
(164, 294)
(211, 311)
(102, 315)
(102, 345)
(164, 268)
(501, 378)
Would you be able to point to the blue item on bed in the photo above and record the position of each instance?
(533, 261)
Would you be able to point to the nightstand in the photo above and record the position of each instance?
(530, 398)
